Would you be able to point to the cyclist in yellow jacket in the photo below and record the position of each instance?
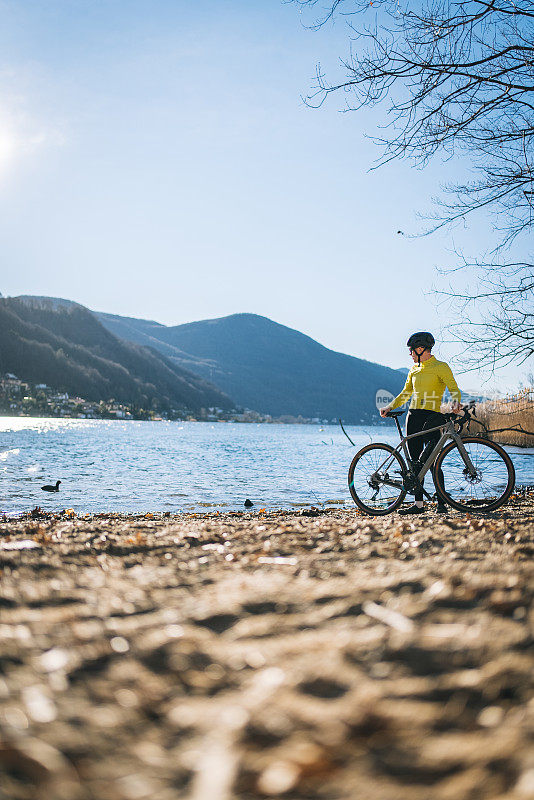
(425, 384)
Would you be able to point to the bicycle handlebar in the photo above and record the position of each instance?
(451, 415)
(465, 417)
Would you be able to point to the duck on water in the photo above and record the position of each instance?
(49, 488)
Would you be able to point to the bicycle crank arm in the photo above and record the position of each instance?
(412, 489)
(394, 484)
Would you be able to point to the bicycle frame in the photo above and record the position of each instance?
(447, 432)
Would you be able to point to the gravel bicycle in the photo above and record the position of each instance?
(476, 474)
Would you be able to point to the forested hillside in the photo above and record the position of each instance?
(64, 345)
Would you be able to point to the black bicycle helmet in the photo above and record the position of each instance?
(421, 339)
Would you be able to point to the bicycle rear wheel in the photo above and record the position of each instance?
(489, 489)
(371, 469)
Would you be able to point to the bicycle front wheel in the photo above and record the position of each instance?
(376, 479)
(488, 489)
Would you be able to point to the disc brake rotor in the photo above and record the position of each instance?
(476, 478)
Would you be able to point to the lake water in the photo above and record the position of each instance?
(180, 466)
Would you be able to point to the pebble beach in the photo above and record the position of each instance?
(309, 654)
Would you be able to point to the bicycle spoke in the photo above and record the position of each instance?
(370, 476)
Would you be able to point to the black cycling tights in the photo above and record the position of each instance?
(417, 420)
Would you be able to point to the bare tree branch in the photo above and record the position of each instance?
(456, 77)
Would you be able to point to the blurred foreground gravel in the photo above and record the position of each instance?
(300, 655)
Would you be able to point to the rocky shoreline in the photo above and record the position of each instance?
(299, 655)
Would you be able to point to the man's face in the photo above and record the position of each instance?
(415, 352)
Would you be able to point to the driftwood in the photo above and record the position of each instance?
(516, 429)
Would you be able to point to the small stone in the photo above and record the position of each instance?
(174, 631)
(255, 659)
(119, 644)
(39, 705)
(105, 716)
(490, 717)
(150, 753)
(126, 698)
(136, 787)
(20, 544)
(54, 659)
(278, 778)
(15, 718)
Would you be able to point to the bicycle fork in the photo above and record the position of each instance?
(469, 470)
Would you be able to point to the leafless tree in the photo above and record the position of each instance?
(495, 323)
(457, 76)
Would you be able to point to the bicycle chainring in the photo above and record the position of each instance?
(410, 482)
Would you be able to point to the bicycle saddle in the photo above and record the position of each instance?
(396, 413)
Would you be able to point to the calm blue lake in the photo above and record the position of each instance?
(180, 466)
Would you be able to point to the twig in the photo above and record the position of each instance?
(346, 434)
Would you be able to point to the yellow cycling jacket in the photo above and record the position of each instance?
(426, 383)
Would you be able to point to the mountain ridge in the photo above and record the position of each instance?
(261, 364)
(268, 366)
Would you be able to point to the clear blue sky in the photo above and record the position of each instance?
(156, 160)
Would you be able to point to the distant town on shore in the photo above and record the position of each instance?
(21, 399)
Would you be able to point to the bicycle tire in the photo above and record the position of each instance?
(354, 494)
(474, 504)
